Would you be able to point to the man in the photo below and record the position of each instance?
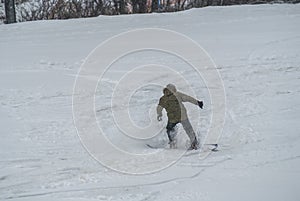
(172, 102)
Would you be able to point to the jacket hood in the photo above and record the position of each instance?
(171, 87)
(169, 90)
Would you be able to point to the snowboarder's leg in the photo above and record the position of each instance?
(191, 133)
(171, 134)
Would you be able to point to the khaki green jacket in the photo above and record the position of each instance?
(173, 104)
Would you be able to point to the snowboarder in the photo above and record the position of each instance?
(172, 102)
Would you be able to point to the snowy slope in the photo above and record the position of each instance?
(256, 49)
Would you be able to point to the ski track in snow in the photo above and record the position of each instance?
(128, 186)
(256, 49)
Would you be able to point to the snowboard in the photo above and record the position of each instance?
(205, 147)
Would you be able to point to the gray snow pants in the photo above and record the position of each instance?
(186, 124)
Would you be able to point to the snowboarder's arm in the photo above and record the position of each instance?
(187, 98)
(159, 110)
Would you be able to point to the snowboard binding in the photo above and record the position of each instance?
(173, 144)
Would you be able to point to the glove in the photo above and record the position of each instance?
(159, 118)
(200, 104)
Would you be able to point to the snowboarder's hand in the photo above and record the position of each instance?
(200, 104)
(159, 118)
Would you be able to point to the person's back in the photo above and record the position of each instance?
(173, 106)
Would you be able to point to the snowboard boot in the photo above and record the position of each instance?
(194, 145)
(173, 144)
